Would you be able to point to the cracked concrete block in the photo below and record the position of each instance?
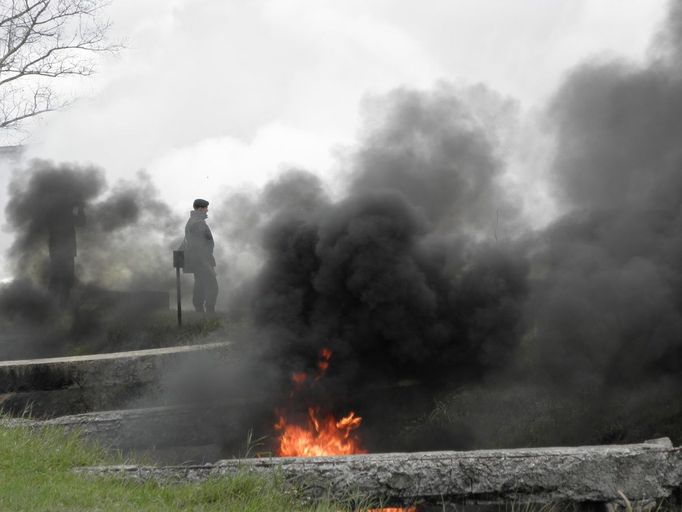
(71, 385)
(592, 474)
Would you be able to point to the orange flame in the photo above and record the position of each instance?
(323, 363)
(298, 379)
(322, 437)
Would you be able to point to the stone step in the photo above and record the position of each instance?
(169, 434)
(602, 474)
(71, 385)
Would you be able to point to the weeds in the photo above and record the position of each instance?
(36, 475)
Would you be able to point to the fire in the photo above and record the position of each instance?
(323, 363)
(298, 379)
(321, 436)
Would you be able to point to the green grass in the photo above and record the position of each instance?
(36, 474)
(158, 330)
(161, 330)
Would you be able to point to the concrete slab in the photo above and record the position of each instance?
(168, 434)
(602, 474)
(70, 385)
(151, 427)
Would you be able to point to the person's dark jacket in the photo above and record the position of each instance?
(198, 243)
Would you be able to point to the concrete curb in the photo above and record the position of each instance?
(641, 472)
(71, 385)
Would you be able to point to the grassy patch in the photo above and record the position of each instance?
(156, 330)
(161, 330)
(35, 475)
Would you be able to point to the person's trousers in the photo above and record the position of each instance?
(205, 289)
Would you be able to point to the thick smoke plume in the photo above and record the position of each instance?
(408, 278)
(405, 278)
(608, 305)
(423, 280)
(601, 360)
(127, 231)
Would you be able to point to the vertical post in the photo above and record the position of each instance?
(177, 278)
(178, 263)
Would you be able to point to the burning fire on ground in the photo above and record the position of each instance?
(322, 434)
(320, 437)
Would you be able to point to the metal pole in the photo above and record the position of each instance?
(177, 278)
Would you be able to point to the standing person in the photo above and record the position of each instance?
(61, 229)
(199, 258)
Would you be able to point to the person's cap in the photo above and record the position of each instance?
(200, 203)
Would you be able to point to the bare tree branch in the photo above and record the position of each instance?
(19, 14)
(42, 40)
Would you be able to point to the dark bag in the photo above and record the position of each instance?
(189, 263)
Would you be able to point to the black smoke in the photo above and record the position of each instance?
(130, 238)
(437, 149)
(405, 277)
(36, 198)
(422, 278)
(609, 305)
(561, 335)
(601, 358)
(128, 232)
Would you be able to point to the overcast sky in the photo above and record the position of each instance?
(214, 93)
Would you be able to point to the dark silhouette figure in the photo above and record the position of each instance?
(199, 258)
(61, 228)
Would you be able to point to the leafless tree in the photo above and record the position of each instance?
(40, 41)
